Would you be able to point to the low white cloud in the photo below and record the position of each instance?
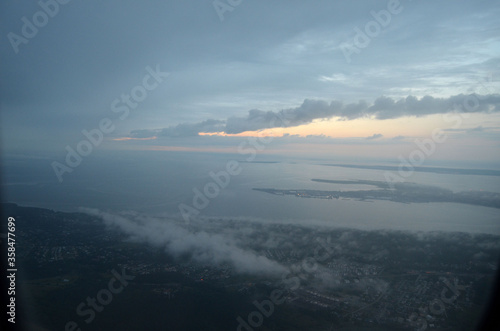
(199, 244)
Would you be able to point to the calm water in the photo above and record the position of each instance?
(156, 183)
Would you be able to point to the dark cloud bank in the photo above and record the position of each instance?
(310, 110)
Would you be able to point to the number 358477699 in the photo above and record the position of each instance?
(11, 242)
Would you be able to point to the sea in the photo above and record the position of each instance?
(157, 183)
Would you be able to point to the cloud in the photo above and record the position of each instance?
(320, 136)
(477, 129)
(200, 245)
(333, 78)
(375, 136)
(182, 130)
(310, 110)
(304, 114)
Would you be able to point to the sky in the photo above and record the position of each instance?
(316, 78)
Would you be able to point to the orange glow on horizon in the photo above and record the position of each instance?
(335, 128)
(357, 128)
(129, 138)
(210, 149)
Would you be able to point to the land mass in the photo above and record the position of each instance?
(437, 170)
(340, 279)
(397, 192)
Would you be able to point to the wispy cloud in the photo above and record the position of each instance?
(375, 136)
(199, 244)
